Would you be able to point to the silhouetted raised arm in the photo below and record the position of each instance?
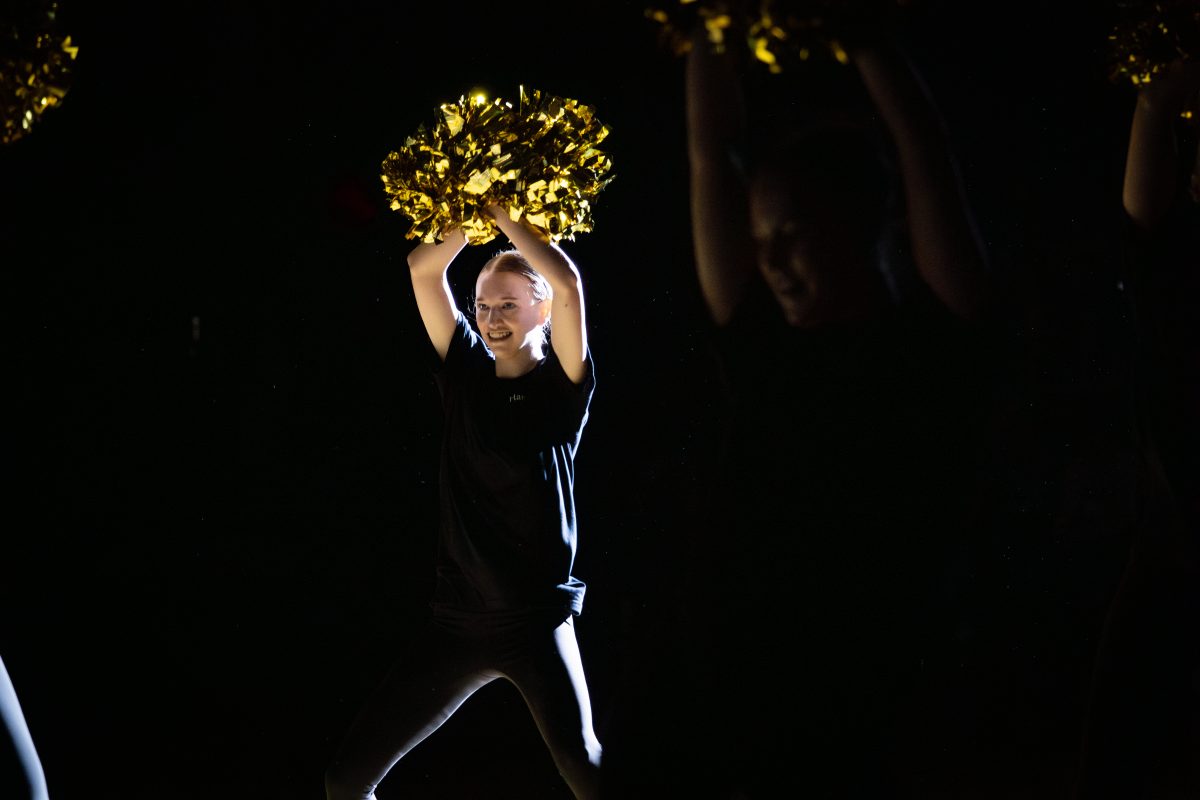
(721, 237)
(1152, 163)
(946, 248)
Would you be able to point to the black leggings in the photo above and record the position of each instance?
(449, 661)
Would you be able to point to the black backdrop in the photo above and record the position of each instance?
(222, 436)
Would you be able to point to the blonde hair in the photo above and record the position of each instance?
(512, 261)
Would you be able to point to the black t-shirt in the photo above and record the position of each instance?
(847, 466)
(1162, 276)
(508, 528)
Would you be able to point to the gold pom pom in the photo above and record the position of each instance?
(1152, 36)
(676, 21)
(35, 70)
(539, 159)
(775, 32)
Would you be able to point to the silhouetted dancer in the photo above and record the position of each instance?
(849, 438)
(1142, 701)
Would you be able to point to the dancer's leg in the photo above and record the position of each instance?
(549, 675)
(426, 685)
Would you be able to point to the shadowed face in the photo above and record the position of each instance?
(509, 319)
(814, 256)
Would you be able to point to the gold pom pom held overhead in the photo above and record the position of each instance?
(776, 32)
(1151, 36)
(539, 158)
(35, 66)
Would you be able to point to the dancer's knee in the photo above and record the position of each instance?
(340, 785)
(580, 767)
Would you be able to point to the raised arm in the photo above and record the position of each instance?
(569, 337)
(1151, 166)
(721, 237)
(427, 265)
(946, 247)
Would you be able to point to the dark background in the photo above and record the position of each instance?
(221, 446)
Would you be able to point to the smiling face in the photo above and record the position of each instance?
(784, 251)
(510, 318)
(819, 268)
(815, 224)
